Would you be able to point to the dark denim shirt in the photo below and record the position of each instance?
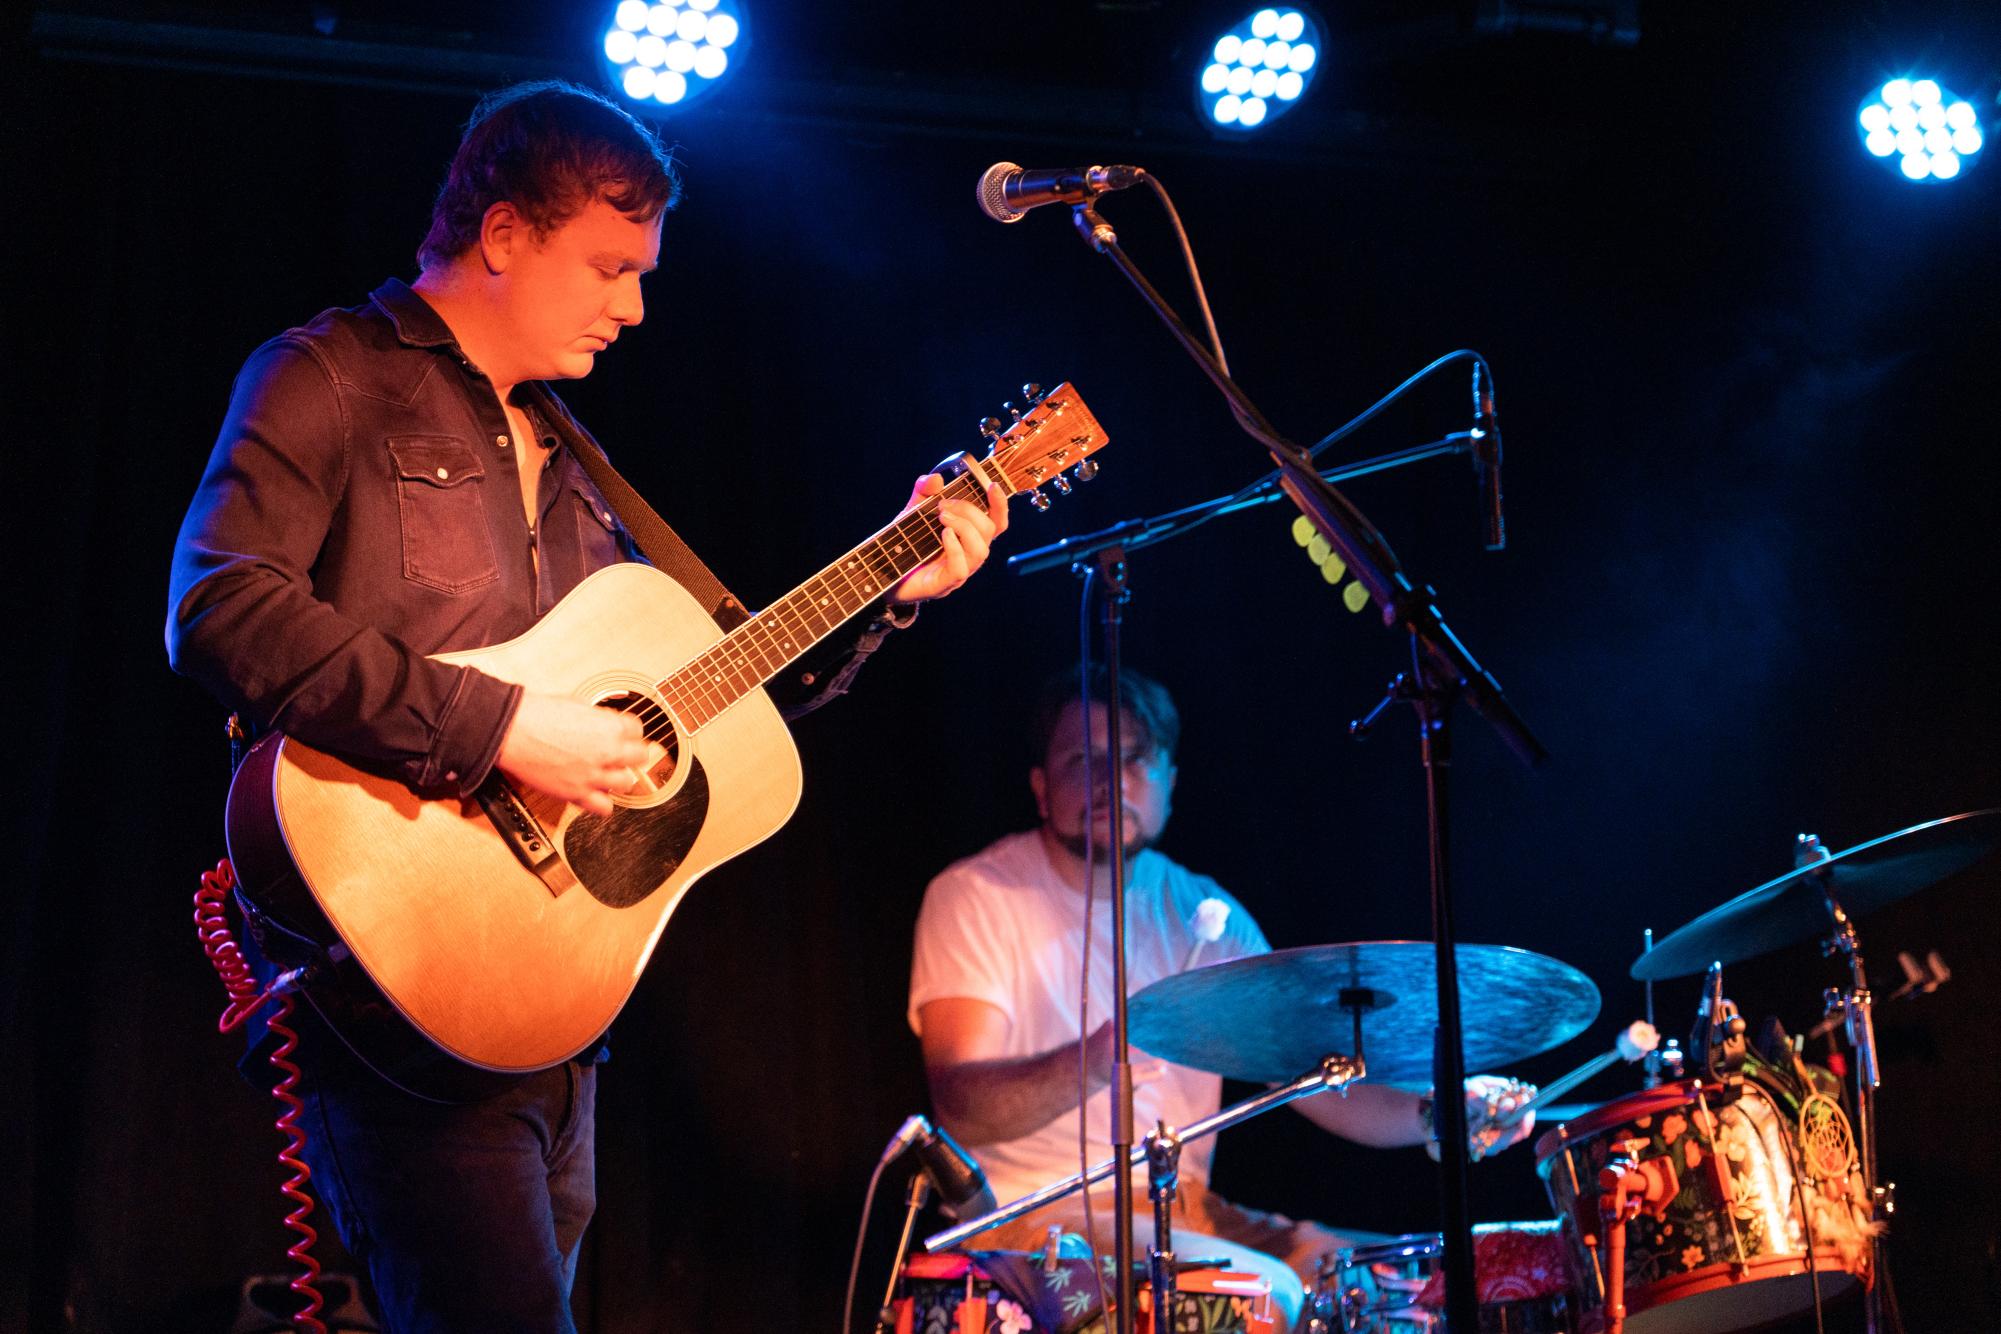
(362, 510)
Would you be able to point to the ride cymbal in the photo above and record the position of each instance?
(1269, 1017)
(1793, 907)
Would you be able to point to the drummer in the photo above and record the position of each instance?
(994, 994)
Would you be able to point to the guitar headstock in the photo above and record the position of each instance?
(1050, 439)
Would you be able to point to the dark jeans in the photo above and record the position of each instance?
(468, 1217)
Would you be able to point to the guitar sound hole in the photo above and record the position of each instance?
(663, 743)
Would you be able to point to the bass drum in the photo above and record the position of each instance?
(1729, 1202)
(1398, 1286)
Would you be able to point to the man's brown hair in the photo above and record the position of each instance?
(1144, 698)
(549, 148)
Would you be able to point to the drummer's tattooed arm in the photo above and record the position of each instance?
(982, 1097)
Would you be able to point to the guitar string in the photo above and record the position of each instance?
(724, 673)
(687, 698)
(731, 671)
(728, 666)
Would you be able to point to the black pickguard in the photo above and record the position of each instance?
(623, 857)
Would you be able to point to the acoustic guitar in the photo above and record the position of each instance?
(456, 945)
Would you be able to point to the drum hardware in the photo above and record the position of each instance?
(1628, 1188)
(1163, 1174)
(1333, 1072)
(1718, 1043)
(1663, 1062)
(1921, 980)
(1396, 1286)
(1052, 1248)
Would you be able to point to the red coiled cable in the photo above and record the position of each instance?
(212, 925)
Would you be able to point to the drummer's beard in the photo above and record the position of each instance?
(1080, 845)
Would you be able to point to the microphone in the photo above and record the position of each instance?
(961, 1183)
(1487, 460)
(1008, 191)
(906, 1135)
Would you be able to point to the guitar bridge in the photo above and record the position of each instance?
(523, 833)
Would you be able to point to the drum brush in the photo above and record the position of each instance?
(1639, 1038)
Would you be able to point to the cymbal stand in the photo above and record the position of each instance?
(1652, 1078)
(1163, 1175)
(1855, 1006)
(1334, 1072)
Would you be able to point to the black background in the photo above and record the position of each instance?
(1746, 379)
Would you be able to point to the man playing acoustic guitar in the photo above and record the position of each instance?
(395, 481)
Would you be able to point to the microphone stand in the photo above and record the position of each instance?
(1111, 569)
(1335, 1071)
(915, 1198)
(1443, 672)
(1134, 534)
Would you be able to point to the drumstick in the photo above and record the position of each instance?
(1210, 915)
(1639, 1038)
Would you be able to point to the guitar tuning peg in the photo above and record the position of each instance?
(990, 427)
(1061, 483)
(1032, 392)
(1086, 470)
(1011, 410)
(1037, 499)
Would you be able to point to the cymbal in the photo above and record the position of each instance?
(1270, 1017)
(1792, 908)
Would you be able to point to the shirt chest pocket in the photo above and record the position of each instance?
(599, 534)
(441, 506)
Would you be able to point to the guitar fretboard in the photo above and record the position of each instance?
(762, 646)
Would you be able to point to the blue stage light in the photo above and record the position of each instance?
(1259, 69)
(1921, 129)
(665, 54)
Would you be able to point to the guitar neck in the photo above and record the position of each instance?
(767, 643)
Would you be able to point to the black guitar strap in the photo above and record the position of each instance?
(659, 543)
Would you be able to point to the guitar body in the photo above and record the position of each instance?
(436, 924)
(456, 945)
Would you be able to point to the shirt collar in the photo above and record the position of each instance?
(417, 324)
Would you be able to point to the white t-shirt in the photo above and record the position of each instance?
(1002, 927)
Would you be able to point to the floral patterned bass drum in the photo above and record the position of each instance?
(1720, 1195)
